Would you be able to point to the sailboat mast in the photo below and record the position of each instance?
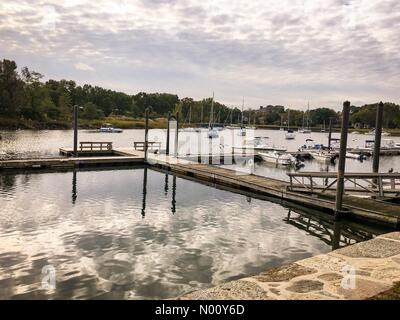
(212, 112)
(288, 119)
(241, 121)
(190, 114)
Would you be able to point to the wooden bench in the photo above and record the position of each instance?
(95, 146)
(151, 145)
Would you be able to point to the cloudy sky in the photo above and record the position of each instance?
(271, 52)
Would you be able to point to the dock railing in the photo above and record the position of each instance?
(377, 184)
(95, 146)
(151, 145)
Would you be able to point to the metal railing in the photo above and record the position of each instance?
(378, 184)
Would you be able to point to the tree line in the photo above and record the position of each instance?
(24, 96)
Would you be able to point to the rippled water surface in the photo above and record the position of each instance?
(143, 234)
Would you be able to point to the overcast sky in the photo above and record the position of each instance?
(271, 52)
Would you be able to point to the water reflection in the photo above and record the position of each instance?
(117, 238)
(144, 192)
(74, 190)
(336, 234)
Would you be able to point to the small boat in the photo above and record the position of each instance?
(212, 133)
(311, 145)
(276, 157)
(259, 144)
(108, 128)
(390, 144)
(357, 156)
(188, 129)
(290, 135)
(324, 156)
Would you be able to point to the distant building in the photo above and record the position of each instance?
(271, 108)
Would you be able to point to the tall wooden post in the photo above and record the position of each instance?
(146, 134)
(76, 108)
(378, 135)
(176, 134)
(168, 119)
(330, 133)
(342, 158)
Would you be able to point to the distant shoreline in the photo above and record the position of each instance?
(133, 123)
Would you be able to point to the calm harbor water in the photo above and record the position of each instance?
(142, 234)
(25, 143)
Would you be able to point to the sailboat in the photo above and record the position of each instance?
(289, 135)
(242, 131)
(189, 128)
(323, 127)
(303, 129)
(212, 132)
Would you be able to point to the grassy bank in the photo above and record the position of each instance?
(123, 123)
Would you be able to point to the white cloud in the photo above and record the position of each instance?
(287, 51)
(83, 66)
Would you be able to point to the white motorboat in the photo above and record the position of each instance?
(357, 156)
(276, 157)
(324, 156)
(242, 132)
(290, 135)
(311, 145)
(108, 128)
(188, 129)
(390, 144)
(257, 145)
(212, 133)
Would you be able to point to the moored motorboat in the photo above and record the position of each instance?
(324, 156)
(358, 156)
(257, 145)
(290, 135)
(108, 128)
(276, 157)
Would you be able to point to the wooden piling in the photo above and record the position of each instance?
(176, 134)
(342, 158)
(378, 135)
(76, 108)
(168, 128)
